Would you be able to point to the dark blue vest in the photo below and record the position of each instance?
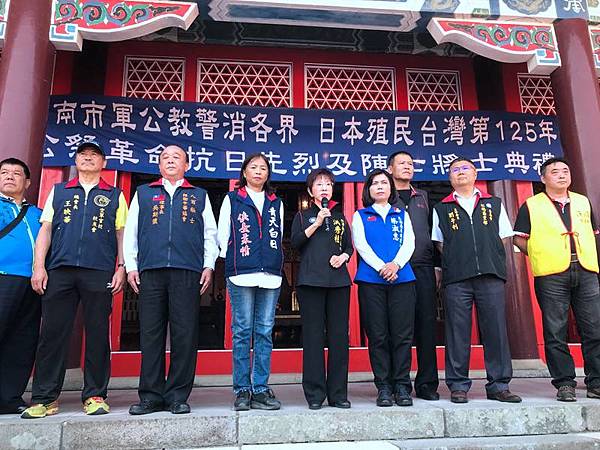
(385, 238)
(83, 229)
(171, 230)
(254, 241)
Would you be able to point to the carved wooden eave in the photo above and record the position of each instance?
(508, 42)
(4, 5)
(114, 20)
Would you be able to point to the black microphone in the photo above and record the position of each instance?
(325, 204)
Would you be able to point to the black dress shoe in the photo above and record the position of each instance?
(402, 397)
(180, 408)
(315, 405)
(343, 404)
(145, 407)
(428, 395)
(384, 398)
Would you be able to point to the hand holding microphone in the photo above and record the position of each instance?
(325, 205)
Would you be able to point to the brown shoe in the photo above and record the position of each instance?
(504, 396)
(459, 397)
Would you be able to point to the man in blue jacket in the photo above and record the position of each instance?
(19, 304)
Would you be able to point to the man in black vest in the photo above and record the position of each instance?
(468, 228)
(76, 251)
(170, 252)
(416, 203)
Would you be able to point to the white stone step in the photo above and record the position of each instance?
(539, 422)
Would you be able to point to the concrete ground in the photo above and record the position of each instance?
(539, 422)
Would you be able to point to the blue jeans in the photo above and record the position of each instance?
(578, 288)
(252, 319)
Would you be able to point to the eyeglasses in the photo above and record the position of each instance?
(464, 168)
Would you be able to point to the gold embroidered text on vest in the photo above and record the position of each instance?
(549, 244)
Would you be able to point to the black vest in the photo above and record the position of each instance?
(471, 247)
(171, 230)
(418, 210)
(83, 229)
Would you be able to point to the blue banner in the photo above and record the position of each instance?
(133, 132)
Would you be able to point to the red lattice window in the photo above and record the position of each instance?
(344, 87)
(154, 78)
(536, 94)
(244, 83)
(433, 90)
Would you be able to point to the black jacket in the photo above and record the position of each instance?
(316, 251)
(420, 217)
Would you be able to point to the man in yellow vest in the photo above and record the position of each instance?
(556, 229)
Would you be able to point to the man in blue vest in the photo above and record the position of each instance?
(77, 249)
(19, 304)
(170, 253)
(468, 228)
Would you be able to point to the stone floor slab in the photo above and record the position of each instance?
(545, 442)
(485, 419)
(29, 436)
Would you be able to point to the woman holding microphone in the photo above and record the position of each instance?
(384, 239)
(322, 236)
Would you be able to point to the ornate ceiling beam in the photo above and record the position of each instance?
(114, 20)
(508, 42)
(595, 38)
(4, 4)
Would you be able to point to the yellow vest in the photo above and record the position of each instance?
(549, 245)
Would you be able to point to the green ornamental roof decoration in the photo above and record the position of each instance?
(114, 20)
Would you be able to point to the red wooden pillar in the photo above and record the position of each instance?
(228, 335)
(576, 95)
(25, 78)
(354, 319)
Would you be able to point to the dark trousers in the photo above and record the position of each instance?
(388, 315)
(168, 297)
(67, 286)
(19, 329)
(487, 292)
(324, 309)
(425, 329)
(578, 288)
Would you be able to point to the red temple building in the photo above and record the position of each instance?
(514, 56)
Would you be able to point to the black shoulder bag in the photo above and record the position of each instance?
(17, 220)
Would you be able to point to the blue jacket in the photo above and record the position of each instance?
(255, 241)
(171, 230)
(16, 248)
(385, 238)
(83, 230)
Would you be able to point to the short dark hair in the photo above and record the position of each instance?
(242, 180)
(550, 161)
(366, 195)
(393, 155)
(461, 159)
(17, 162)
(310, 179)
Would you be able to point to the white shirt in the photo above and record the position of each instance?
(257, 279)
(366, 252)
(130, 237)
(468, 204)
